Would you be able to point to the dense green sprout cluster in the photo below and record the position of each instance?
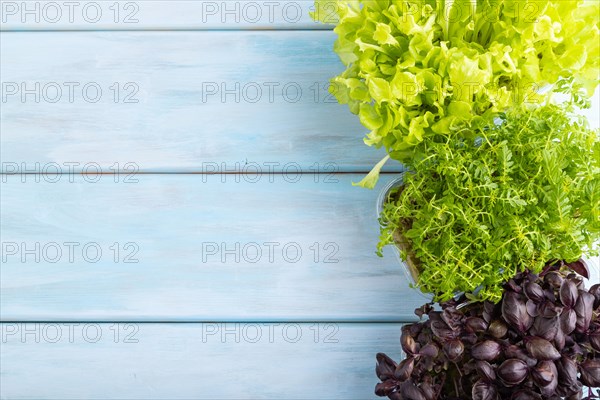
(421, 68)
(513, 197)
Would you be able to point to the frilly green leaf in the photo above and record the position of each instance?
(372, 177)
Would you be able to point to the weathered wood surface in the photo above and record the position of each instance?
(166, 120)
(173, 113)
(49, 15)
(208, 248)
(194, 361)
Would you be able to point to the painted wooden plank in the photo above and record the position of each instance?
(184, 118)
(40, 15)
(196, 248)
(173, 113)
(194, 361)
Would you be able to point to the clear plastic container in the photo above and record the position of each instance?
(381, 199)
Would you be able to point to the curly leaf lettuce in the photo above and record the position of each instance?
(420, 69)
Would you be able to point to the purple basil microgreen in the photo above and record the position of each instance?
(455, 358)
(580, 267)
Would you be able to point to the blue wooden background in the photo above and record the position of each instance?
(187, 174)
